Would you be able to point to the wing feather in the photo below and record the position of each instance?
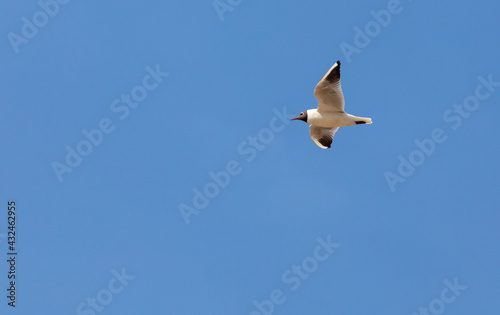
(329, 91)
(322, 136)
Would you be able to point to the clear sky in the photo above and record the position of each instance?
(148, 149)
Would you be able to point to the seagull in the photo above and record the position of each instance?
(330, 114)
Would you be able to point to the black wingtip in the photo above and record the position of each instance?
(334, 74)
(338, 61)
(326, 141)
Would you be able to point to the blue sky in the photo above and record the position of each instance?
(166, 103)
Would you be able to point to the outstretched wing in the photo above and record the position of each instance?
(329, 92)
(322, 136)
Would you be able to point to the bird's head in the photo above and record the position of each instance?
(302, 116)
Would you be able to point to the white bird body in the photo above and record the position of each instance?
(330, 114)
(333, 119)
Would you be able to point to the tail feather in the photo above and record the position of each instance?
(363, 120)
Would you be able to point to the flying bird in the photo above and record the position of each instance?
(330, 114)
